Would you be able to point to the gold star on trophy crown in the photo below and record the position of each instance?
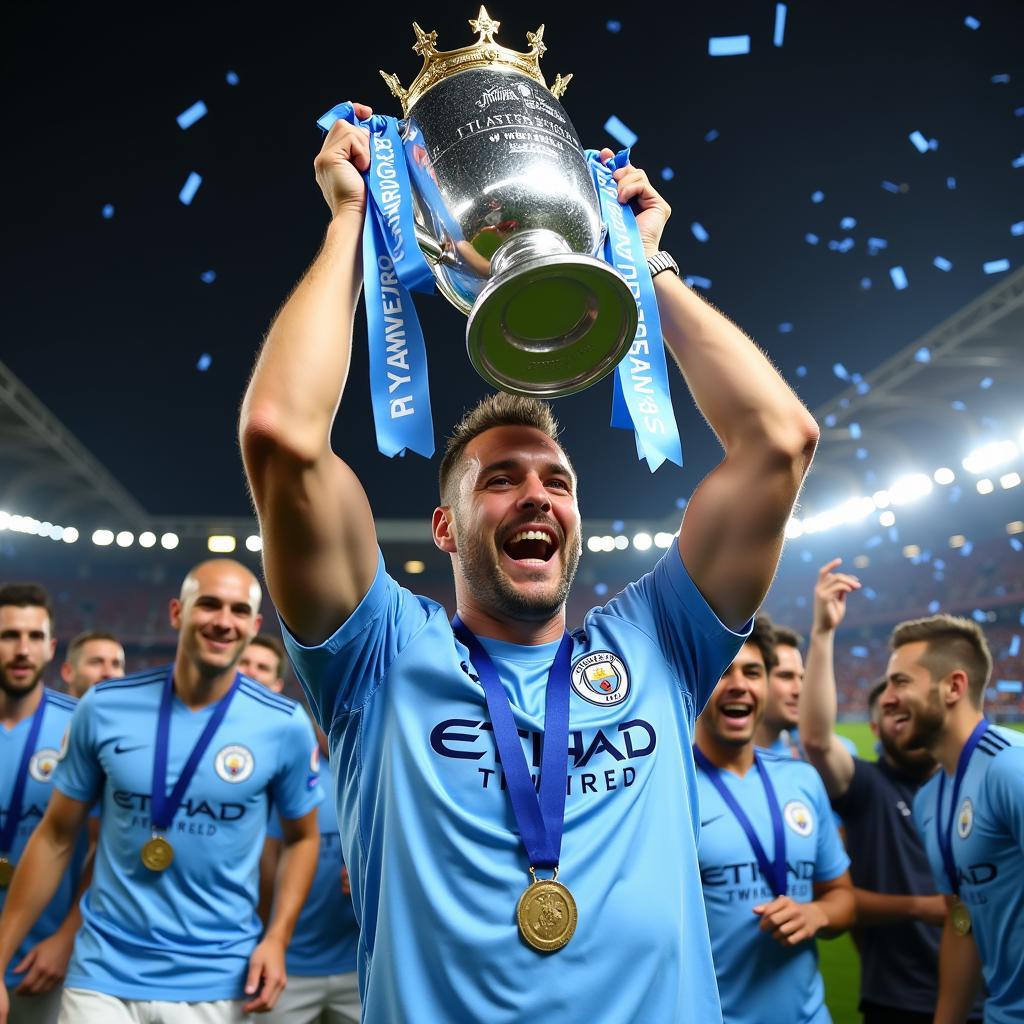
(484, 53)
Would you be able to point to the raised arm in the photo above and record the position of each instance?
(319, 541)
(818, 696)
(732, 531)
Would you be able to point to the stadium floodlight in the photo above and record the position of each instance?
(1017, 526)
(57, 532)
(414, 566)
(102, 538)
(70, 535)
(254, 542)
(985, 486)
(607, 543)
(958, 540)
(5, 519)
(794, 528)
(911, 551)
(147, 539)
(887, 519)
(169, 541)
(594, 543)
(642, 541)
(221, 543)
(125, 539)
(1008, 480)
(944, 475)
(621, 542)
(910, 488)
(881, 499)
(664, 540)
(988, 456)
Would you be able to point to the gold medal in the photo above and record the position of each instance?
(6, 872)
(157, 854)
(546, 913)
(961, 917)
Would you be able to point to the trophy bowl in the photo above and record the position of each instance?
(508, 216)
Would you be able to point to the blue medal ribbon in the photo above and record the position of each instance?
(540, 817)
(392, 267)
(10, 827)
(640, 400)
(774, 870)
(945, 830)
(162, 804)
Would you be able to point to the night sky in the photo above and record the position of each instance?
(106, 318)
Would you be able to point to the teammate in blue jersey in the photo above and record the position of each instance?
(33, 721)
(439, 835)
(773, 868)
(184, 760)
(263, 660)
(970, 814)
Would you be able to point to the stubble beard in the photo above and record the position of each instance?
(927, 724)
(17, 691)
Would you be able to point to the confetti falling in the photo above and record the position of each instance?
(196, 112)
(995, 266)
(811, 239)
(620, 132)
(699, 231)
(923, 355)
(779, 33)
(817, 197)
(190, 188)
(231, 78)
(208, 276)
(107, 211)
(898, 276)
(785, 328)
(942, 263)
(972, 22)
(696, 281)
(204, 361)
(919, 141)
(614, 26)
(667, 174)
(728, 46)
(712, 135)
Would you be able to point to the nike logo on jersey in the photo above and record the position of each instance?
(707, 821)
(119, 749)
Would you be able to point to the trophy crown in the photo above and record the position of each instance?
(484, 53)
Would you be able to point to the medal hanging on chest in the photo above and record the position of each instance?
(959, 915)
(546, 911)
(13, 818)
(157, 853)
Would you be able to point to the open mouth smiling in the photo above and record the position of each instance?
(531, 544)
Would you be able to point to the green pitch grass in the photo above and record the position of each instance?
(840, 965)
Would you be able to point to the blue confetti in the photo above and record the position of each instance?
(728, 46)
(845, 245)
(979, 616)
(786, 328)
(933, 144)
(208, 276)
(1017, 162)
(696, 281)
(966, 548)
(780, 24)
(801, 371)
(865, 283)
(863, 387)
(923, 355)
(204, 361)
(108, 211)
(876, 245)
(873, 541)
(894, 534)
(817, 197)
(869, 593)
(844, 403)
(933, 607)
(995, 266)
(1014, 649)
(712, 135)
(959, 406)
(196, 112)
(600, 589)
(1010, 685)
(833, 244)
(811, 238)
(1016, 544)
(890, 186)
(667, 174)
(805, 556)
(951, 183)
(699, 231)
(898, 276)
(1020, 618)
(618, 526)
(854, 429)
(190, 188)
(861, 453)
(840, 371)
(848, 223)
(618, 131)
(231, 78)
(972, 22)
(1019, 112)
(1017, 229)
(614, 26)
(985, 383)
(1003, 79)
(680, 503)
(830, 420)
(919, 141)
(942, 263)
(859, 651)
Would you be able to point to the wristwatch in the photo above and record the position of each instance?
(662, 261)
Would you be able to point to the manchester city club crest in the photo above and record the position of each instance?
(42, 764)
(965, 819)
(601, 678)
(234, 763)
(799, 818)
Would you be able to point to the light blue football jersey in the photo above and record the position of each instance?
(988, 848)
(326, 934)
(184, 934)
(760, 980)
(428, 832)
(38, 786)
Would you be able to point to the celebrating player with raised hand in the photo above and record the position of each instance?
(442, 837)
(184, 760)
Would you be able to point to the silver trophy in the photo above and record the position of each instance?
(508, 216)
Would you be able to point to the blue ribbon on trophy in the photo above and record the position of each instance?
(393, 266)
(640, 399)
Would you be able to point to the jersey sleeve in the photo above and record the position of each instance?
(79, 773)
(274, 830)
(1004, 790)
(830, 858)
(668, 607)
(339, 675)
(925, 810)
(295, 789)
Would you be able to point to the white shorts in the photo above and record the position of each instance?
(41, 1009)
(83, 1006)
(330, 1000)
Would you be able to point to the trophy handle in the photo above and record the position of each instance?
(433, 249)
